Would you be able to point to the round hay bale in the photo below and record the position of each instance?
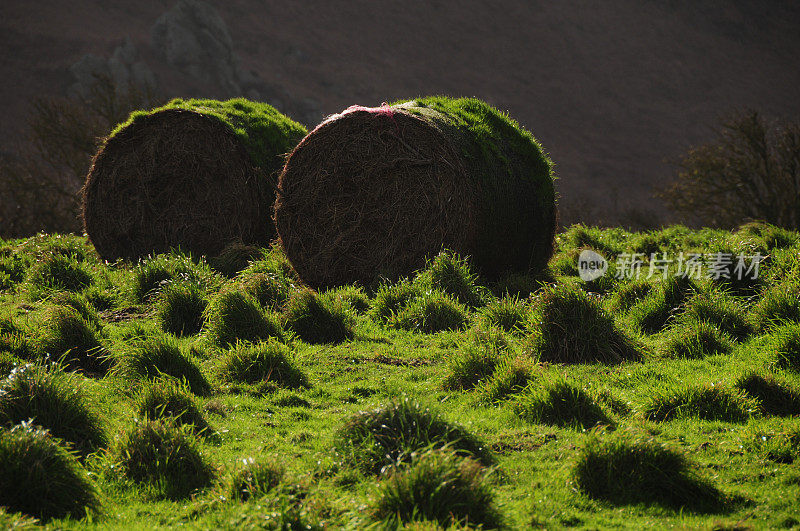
(194, 174)
(374, 192)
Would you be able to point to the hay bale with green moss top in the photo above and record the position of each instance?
(194, 174)
(375, 191)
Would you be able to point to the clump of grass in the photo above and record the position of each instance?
(16, 344)
(8, 362)
(167, 398)
(165, 456)
(78, 303)
(431, 312)
(451, 274)
(181, 309)
(268, 361)
(270, 289)
(68, 337)
(511, 376)
(559, 403)
(234, 316)
(628, 294)
(520, 285)
(438, 487)
(508, 313)
(786, 344)
(41, 478)
(777, 306)
(705, 402)
(388, 435)
(353, 296)
(14, 267)
(155, 357)
(581, 236)
(653, 313)
(234, 258)
(470, 366)
(696, 339)
(390, 298)
(155, 273)
(775, 397)
(570, 326)
(253, 479)
(631, 470)
(54, 400)
(59, 273)
(722, 311)
(319, 319)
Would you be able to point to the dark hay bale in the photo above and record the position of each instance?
(375, 192)
(194, 174)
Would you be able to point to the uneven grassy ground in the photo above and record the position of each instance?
(662, 403)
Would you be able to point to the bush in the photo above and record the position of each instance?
(786, 344)
(165, 456)
(68, 337)
(561, 404)
(629, 470)
(181, 309)
(431, 312)
(252, 480)
(155, 357)
(440, 487)
(57, 272)
(708, 402)
(390, 298)
(696, 339)
(387, 436)
(774, 396)
(170, 399)
(744, 174)
(41, 478)
(54, 400)
(269, 361)
(319, 319)
(508, 313)
(570, 326)
(234, 316)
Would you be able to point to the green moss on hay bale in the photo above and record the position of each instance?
(376, 191)
(195, 174)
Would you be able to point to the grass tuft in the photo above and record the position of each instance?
(570, 326)
(662, 304)
(707, 402)
(59, 273)
(234, 316)
(695, 340)
(155, 357)
(431, 312)
(438, 487)
(777, 306)
(451, 274)
(512, 375)
(389, 435)
(508, 313)
(41, 478)
(775, 397)
(353, 296)
(319, 319)
(559, 403)
(721, 310)
(268, 361)
(391, 298)
(165, 456)
(68, 337)
(253, 479)
(167, 398)
(54, 400)
(628, 470)
(181, 309)
(786, 344)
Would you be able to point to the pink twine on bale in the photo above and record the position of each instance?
(383, 110)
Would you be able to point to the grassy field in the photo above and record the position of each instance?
(224, 394)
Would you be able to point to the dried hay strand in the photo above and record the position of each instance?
(373, 192)
(194, 174)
